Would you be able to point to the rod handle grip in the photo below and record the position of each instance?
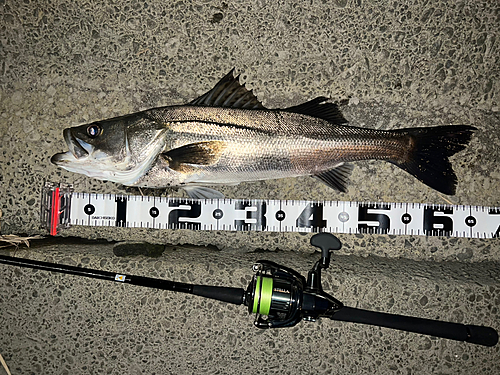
(220, 293)
(481, 335)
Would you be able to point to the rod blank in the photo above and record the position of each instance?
(225, 294)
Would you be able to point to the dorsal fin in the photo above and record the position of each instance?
(229, 92)
(318, 108)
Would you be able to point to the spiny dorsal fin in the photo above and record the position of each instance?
(318, 108)
(229, 92)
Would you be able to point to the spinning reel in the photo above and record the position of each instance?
(281, 297)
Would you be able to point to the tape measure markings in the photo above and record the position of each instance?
(60, 206)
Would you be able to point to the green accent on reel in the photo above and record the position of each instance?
(263, 294)
(256, 294)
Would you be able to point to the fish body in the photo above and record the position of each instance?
(226, 137)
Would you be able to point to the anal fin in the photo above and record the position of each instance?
(337, 178)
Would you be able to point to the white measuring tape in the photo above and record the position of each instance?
(62, 207)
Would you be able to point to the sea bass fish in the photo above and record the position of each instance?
(226, 136)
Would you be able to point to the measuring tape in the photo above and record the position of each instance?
(61, 207)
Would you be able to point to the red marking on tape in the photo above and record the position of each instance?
(56, 200)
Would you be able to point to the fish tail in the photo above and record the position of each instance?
(427, 157)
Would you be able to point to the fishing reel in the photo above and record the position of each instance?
(281, 297)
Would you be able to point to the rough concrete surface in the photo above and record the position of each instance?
(396, 64)
(71, 325)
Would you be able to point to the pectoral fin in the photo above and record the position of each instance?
(337, 178)
(186, 157)
(202, 192)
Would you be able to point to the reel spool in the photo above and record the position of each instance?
(275, 295)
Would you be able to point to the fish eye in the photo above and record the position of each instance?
(94, 130)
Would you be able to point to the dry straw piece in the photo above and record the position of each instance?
(13, 240)
(6, 368)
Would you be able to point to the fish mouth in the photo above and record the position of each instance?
(78, 149)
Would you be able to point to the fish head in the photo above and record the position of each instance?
(120, 149)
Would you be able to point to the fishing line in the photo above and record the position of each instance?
(62, 207)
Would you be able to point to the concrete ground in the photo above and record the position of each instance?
(396, 64)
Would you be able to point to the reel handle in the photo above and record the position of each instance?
(326, 242)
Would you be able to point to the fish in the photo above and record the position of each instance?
(226, 136)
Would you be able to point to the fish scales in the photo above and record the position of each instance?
(301, 137)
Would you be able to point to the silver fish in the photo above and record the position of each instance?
(227, 136)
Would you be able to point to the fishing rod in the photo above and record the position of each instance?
(281, 297)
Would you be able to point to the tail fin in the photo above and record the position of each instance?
(430, 149)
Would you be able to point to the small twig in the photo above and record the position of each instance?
(446, 200)
(14, 240)
(4, 364)
(145, 50)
